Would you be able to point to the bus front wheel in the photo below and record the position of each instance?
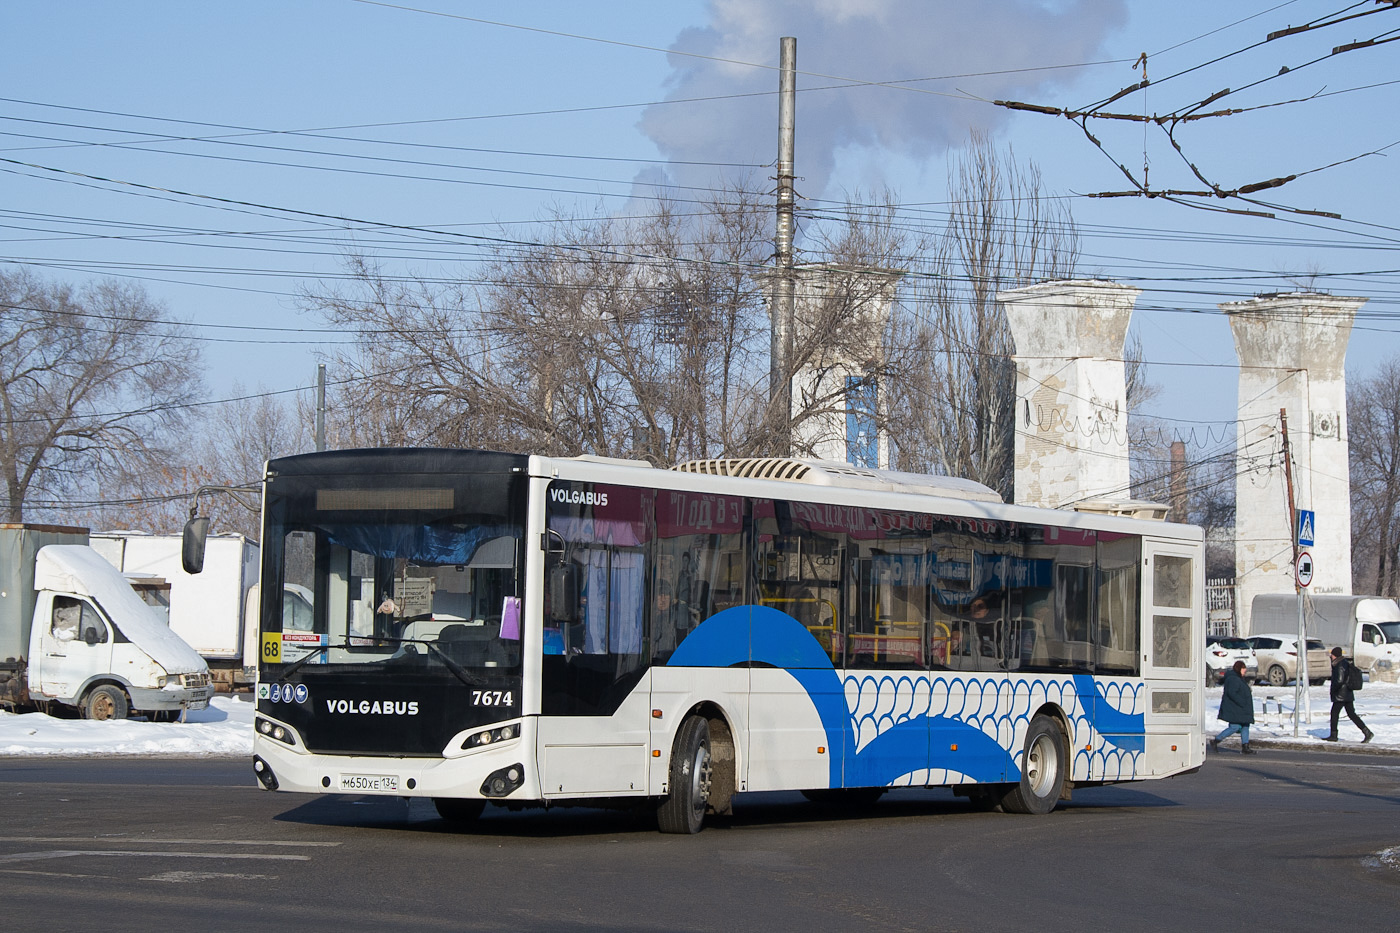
(459, 809)
(1042, 770)
(683, 810)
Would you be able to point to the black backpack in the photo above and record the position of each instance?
(1353, 676)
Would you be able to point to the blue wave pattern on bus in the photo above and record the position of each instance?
(889, 719)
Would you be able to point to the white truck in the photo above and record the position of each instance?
(1366, 627)
(209, 610)
(74, 633)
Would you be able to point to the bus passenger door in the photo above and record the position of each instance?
(1172, 648)
(798, 717)
(594, 728)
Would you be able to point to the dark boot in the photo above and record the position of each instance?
(1246, 750)
(1215, 745)
(1369, 735)
(1330, 738)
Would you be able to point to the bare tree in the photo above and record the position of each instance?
(93, 386)
(849, 352)
(1003, 231)
(413, 377)
(1373, 429)
(240, 437)
(1150, 467)
(630, 338)
(1211, 494)
(648, 338)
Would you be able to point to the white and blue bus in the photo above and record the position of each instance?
(528, 631)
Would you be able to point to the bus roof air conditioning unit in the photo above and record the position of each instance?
(1124, 508)
(831, 473)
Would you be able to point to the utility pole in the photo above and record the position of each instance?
(785, 294)
(321, 406)
(1177, 483)
(1302, 705)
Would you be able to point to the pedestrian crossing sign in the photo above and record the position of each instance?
(1306, 521)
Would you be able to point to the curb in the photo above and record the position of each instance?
(1335, 748)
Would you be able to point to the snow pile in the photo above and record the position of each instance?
(225, 728)
(1377, 703)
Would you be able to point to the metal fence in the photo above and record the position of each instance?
(1221, 599)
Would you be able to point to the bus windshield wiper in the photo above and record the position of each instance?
(296, 665)
(461, 672)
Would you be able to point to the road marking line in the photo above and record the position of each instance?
(46, 874)
(70, 853)
(185, 877)
(130, 840)
(1345, 764)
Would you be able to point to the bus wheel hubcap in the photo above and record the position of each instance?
(1041, 766)
(700, 776)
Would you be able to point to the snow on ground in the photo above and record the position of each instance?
(1377, 703)
(226, 727)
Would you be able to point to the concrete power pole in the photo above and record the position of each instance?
(784, 297)
(321, 406)
(1177, 481)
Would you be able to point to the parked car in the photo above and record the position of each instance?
(1222, 651)
(1277, 656)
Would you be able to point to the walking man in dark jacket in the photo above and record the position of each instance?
(1343, 697)
(1236, 708)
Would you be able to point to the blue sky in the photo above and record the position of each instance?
(482, 117)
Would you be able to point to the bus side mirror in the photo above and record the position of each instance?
(563, 592)
(552, 543)
(192, 550)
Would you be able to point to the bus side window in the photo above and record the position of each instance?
(697, 566)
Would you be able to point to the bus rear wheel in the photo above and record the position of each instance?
(1042, 770)
(692, 771)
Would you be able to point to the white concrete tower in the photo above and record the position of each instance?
(1292, 351)
(1071, 396)
(840, 319)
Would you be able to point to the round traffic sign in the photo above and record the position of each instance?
(1304, 568)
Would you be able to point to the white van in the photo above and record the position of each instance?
(1366, 627)
(95, 645)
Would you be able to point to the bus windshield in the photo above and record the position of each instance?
(403, 576)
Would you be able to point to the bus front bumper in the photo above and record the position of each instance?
(503, 771)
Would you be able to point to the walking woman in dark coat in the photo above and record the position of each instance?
(1236, 708)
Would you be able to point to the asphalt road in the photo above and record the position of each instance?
(1277, 841)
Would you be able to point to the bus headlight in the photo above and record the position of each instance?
(273, 731)
(490, 736)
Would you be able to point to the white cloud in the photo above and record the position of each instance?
(869, 40)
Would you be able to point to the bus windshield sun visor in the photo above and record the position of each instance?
(424, 544)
